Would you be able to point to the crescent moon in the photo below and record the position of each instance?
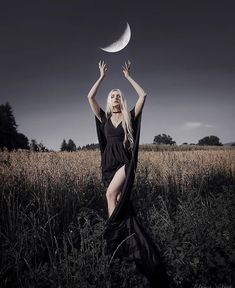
(121, 42)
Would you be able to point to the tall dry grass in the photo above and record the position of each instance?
(53, 211)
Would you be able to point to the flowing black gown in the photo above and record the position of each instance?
(115, 154)
(124, 234)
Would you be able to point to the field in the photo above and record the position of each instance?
(53, 212)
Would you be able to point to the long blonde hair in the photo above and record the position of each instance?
(126, 122)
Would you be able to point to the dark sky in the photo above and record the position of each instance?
(182, 54)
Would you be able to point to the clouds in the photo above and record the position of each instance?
(193, 125)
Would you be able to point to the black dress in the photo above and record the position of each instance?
(124, 234)
(116, 153)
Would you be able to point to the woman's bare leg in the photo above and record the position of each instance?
(114, 189)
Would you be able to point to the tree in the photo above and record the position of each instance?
(22, 141)
(42, 147)
(37, 147)
(71, 146)
(7, 127)
(63, 146)
(34, 145)
(9, 136)
(163, 139)
(210, 140)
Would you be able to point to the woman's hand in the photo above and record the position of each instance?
(126, 68)
(102, 68)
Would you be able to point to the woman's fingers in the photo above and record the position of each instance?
(127, 65)
(102, 67)
(101, 64)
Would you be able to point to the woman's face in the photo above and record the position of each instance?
(115, 99)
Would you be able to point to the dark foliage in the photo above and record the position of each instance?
(210, 140)
(63, 146)
(9, 136)
(37, 147)
(70, 146)
(90, 146)
(163, 139)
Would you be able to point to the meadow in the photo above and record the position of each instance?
(53, 213)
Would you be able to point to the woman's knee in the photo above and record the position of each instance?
(111, 194)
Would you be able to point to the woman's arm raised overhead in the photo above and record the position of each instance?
(91, 95)
(142, 94)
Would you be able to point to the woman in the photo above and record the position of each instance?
(118, 151)
(124, 234)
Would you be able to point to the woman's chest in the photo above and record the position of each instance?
(111, 131)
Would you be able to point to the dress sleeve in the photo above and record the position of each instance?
(102, 115)
(132, 112)
(100, 130)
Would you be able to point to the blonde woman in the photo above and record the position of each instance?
(118, 133)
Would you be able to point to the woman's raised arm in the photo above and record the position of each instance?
(142, 94)
(91, 95)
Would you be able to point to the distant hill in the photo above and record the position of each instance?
(229, 144)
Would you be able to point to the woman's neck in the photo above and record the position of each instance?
(116, 109)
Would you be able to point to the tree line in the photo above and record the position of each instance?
(167, 139)
(71, 146)
(11, 139)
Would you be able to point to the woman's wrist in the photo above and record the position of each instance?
(128, 77)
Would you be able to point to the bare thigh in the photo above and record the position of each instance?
(117, 182)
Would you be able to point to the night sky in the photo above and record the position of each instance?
(182, 54)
